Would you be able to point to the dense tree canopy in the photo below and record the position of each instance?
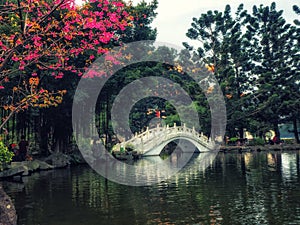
(256, 60)
(41, 39)
(65, 40)
(45, 47)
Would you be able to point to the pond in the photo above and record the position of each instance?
(236, 188)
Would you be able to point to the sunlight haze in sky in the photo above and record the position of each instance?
(175, 16)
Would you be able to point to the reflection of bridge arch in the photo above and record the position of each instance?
(152, 141)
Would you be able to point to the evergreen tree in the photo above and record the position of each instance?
(274, 59)
(223, 46)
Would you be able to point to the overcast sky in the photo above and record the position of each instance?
(175, 16)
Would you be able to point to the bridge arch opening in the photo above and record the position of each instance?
(181, 145)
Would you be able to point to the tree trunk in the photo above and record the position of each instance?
(43, 134)
(241, 132)
(276, 130)
(8, 215)
(61, 136)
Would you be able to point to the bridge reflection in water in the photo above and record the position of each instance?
(152, 169)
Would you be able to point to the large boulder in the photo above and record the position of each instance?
(44, 166)
(8, 215)
(32, 165)
(77, 158)
(24, 168)
(13, 171)
(58, 160)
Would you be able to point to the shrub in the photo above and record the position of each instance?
(5, 155)
(257, 141)
(233, 139)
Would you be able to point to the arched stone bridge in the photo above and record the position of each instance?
(152, 141)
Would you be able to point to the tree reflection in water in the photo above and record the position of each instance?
(246, 188)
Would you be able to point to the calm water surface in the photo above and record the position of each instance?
(247, 188)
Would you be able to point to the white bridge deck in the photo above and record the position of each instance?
(152, 141)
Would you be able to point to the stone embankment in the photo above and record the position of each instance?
(260, 148)
(25, 168)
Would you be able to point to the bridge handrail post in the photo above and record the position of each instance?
(142, 144)
(147, 130)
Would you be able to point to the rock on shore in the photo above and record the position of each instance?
(8, 215)
(24, 168)
(58, 160)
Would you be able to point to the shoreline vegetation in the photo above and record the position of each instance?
(259, 148)
(59, 160)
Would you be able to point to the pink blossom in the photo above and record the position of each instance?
(113, 17)
(59, 75)
(18, 42)
(14, 58)
(36, 38)
(118, 4)
(31, 56)
(22, 65)
(2, 46)
(101, 50)
(96, 42)
(100, 14)
(107, 36)
(1, 87)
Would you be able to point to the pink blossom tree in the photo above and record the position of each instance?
(45, 37)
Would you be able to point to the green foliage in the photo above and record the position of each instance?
(5, 155)
(297, 11)
(257, 141)
(225, 46)
(233, 139)
(144, 14)
(256, 61)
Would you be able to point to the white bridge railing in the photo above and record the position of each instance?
(157, 136)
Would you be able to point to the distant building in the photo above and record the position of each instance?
(287, 130)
